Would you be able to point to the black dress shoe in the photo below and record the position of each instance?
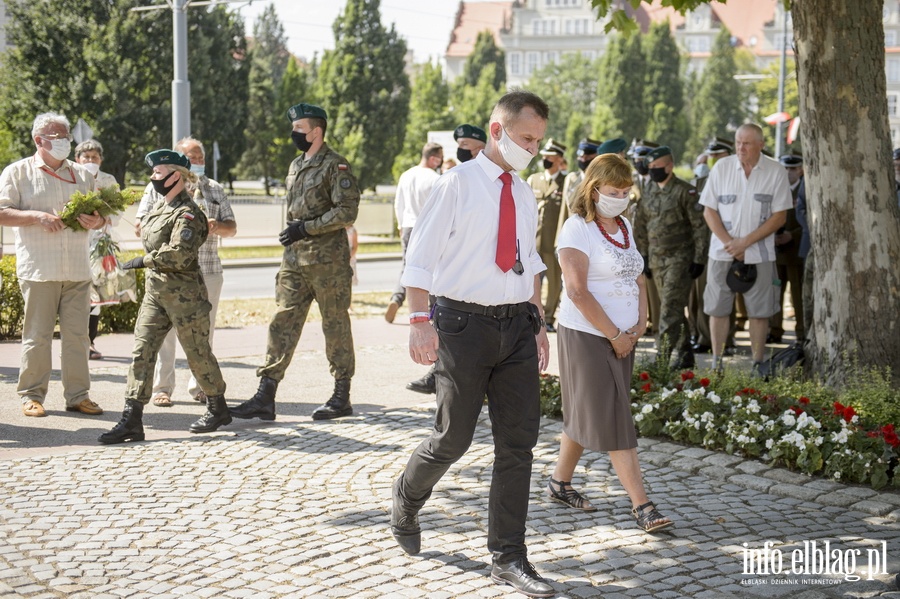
(550, 328)
(773, 338)
(405, 524)
(521, 575)
(700, 348)
(425, 384)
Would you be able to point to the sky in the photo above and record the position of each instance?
(424, 24)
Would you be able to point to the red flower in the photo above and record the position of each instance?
(804, 400)
(838, 408)
(849, 413)
(872, 434)
(892, 439)
(679, 387)
(646, 387)
(745, 391)
(887, 429)
(109, 263)
(686, 376)
(645, 376)
(797, 410)
(704, 382)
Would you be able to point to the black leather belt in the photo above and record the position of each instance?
(501, 311)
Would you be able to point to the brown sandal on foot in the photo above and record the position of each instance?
(568, 496)
(649, 518)
(162, 400)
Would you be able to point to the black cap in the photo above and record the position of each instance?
(741, 277)
(791, 160)
(640, 147)
(719, 145)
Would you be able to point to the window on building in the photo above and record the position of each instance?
(532, 62)
(551, 57)
(892, 105)
(890, 39)
(570, 26)
(893, 70)
(536, 27)
(515, 63)
(698, 19)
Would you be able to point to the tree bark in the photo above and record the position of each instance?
(853, 212)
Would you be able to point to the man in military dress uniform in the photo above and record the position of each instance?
(548, 191)
(788, 262)
(670, 229)
(175, 296)
(322, 200)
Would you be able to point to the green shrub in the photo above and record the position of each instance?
(12, 306)
(551, 398)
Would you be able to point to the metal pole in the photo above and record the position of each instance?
(779, 135)
(181, 86)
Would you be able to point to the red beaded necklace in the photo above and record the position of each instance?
(621, 223)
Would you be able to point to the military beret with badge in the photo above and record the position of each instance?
(167, 158)
(469, 132)
(657, 153)
(612, 146)
(306, 111)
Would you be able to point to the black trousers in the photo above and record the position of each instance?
(481, 355)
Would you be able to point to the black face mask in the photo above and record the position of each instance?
(300, 141)
(658, 175)
(464, 155)
(160, 185)
(641, 167)
(548, 164)
(583, 164)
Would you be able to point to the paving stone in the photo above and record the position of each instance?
(750, 481)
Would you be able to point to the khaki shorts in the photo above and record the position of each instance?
(761, 301)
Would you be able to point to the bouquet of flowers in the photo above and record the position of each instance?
(111, 283)
(105, 202)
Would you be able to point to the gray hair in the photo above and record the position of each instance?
(91, 145)
(42, 120)
(189, 139)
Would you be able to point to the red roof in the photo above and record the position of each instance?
(474, 17)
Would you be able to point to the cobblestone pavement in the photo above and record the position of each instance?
(301, 510)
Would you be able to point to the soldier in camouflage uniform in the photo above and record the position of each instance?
(638, 154)
(322, 200)
(548, 191)
(587, 151)
(669, 231)
(174, 295)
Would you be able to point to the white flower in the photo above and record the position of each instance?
(855, 419)
(770, 443)
(633, 404)
(667, 392)
(711, 396)
(638, 417)
(839, 437)
(788, 418)
(837, 474)
(818, 440)
(646, 409)
(753, 406)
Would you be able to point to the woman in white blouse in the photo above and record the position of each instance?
(603, 314)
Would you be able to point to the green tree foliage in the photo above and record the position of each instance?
(428, 111)
(717, 106)
(483, 54)
(664, 91)
(363, 86)
(97, 60)
(473, 104)
(766, 92)
(266, 122)
(620, 110)
(570, 89)
(295, 87)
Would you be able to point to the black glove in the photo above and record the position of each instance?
(134, 263)
(296, 230)
(695, 270)
(647, 272)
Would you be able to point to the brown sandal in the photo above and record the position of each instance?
(162, 401)
(568, 496)
(649, 518)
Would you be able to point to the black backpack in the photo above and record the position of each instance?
(782, 360)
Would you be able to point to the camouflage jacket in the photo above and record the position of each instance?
(172, 235)
(322, 193)
(669, 222)
(548, 193)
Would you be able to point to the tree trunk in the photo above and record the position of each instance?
(853, 211)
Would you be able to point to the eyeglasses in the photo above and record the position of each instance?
(55, 136)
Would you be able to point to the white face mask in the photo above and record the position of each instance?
(610, 207)
(60, 148)
(91, 167)
(701, 170)
(198, 169)
(515, 155)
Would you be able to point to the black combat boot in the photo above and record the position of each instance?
(129, 428)
(216, 415)
(262, 404)
(338, 405)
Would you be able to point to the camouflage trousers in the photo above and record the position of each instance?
(554, 285)
(187, 310)
(674, 285)
(295, 289)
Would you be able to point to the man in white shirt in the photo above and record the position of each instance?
(746, 199)
(413, 189)
(52, 265)
(473, 247)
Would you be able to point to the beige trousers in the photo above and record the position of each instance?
(44, 302)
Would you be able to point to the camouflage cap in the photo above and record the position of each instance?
(470, 132)
(167, 157)
(657, 153)
(791, 160)
(553, 148)
(612, 146)
(720, 145)
(306, 111)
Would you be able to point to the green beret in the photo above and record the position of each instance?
(658, 153)
(612, 146)
(470, 132)
(306, 111)
(167, 157)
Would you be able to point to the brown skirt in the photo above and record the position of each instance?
(596, 392)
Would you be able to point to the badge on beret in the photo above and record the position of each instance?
(187, 234)
(306, 111)
(167, 157)
(345, 183)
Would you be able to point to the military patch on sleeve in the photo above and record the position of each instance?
(343, 167)
(188, 216)
(692, 192)
(187, 234)
(345, 183)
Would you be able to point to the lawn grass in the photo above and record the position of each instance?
(238, 313)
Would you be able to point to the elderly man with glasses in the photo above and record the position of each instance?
(52, 265)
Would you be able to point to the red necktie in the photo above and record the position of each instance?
(506, 234)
